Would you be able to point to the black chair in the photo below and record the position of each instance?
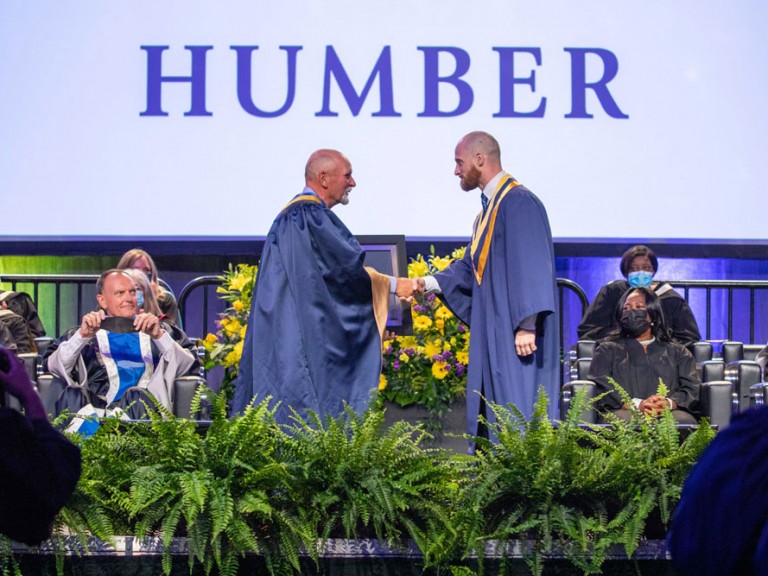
(184, 390)
(743, 375)
(711, 370)
(702, 351)
(751, 351)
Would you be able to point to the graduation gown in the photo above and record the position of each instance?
(638, 371)
(600, 318)
(312, 341)
(720, 525)
(510, 277)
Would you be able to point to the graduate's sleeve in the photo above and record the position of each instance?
(600, 371)
(528, 257)
(456, 285)
(599, 317)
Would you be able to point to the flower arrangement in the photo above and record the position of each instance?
(225, 348)
(430, 367)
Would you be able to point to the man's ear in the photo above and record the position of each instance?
(479, 160)
(100, 299)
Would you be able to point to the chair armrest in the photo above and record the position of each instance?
(569, 390)
(184, 389)
(715, 398)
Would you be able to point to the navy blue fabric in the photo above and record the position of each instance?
(518, 282)
(720, 526)
(312, 341)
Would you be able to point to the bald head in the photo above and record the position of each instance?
(329, 174)
(478, 160)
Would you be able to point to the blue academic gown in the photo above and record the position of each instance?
(312, 341)
(510, 277)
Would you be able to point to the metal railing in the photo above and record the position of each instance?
(62, 299)
(730, 290)
(79, 289)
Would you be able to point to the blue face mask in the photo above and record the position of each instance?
(640, 279)
(139, 298)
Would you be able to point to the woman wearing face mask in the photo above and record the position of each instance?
(639, 354)
(639, 265)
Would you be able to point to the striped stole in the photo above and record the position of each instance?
(484, 225)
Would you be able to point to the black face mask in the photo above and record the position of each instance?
(635, 322)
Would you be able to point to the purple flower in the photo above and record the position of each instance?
(419, 308)
(447, 355)
(431, 297)
(460, 369)
(389, 350)
(461, 328)
(396, 365)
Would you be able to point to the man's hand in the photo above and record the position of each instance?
(407, 288)
(653, 405)
(91, 323)
(149, 324)
(525, 342)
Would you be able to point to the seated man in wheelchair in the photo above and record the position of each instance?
(637, 355)
(118, 353)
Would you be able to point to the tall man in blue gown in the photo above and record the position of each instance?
(504, 288)
(314, 332)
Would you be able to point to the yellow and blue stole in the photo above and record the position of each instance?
(127, 359)
(484, 224)
(302, 198)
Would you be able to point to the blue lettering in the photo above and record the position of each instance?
(155, 80)
(579, 84)
(244, 80)
(507, 81)
(382, 70)
(432, 80)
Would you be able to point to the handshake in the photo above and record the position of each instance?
(409, 288)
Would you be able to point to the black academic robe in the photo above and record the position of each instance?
(39, 469)
(517, 281)
(312, 342)
(19, 330)
(21, 303)
(638, 372)
(600, 318)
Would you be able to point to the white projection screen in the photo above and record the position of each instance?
(628, 119)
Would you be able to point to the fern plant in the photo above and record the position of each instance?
(577, 488)
(352, 478)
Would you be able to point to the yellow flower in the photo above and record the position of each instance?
(237, 305)
(242, 330)
(462, 356)
(458, 254)
(421, 322)
(403, 357)
(232, 327)
(440, 323)
(238, 282)
(382, 382)
(408, 341)
(417, 268)
(443, 313)
(209, 341)
(446, 347)
(431, 349)
(441, 263)
(440, 370)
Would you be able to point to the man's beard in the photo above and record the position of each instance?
(344, 200)
(471, 179)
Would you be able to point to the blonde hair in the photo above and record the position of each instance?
(141, 282)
